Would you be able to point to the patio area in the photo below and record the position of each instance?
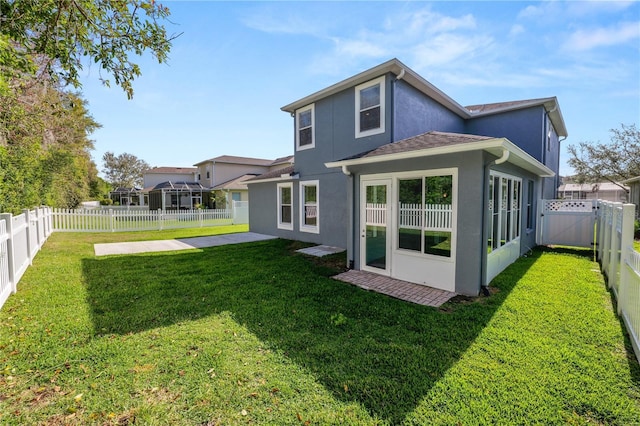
(403, 290)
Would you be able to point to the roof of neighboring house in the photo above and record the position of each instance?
(282, 160)
(230, 159)
(439, 143)
(414, 79)
(180, 186)
(591, 187)
(172, 170)
(272, 175)
(237, 184)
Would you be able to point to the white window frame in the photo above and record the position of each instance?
(313, 127)
(378, 81)
(314, 229)
(281, 224)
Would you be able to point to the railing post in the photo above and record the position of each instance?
(8, 220)
(628, 217)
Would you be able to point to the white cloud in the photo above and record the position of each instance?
(582, 8)
(516, 29)
(586, 39)
(445, 50)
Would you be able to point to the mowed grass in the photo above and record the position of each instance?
(258, 334)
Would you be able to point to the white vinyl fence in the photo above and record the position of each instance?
(116, 220)
(621, 263)
(21, 237)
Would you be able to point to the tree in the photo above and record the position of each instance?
(124, 170)
(614, 161)
(57, 37)
(44, 146)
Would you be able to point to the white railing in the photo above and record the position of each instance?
(621, 263)
(21, 237)
(112, 220)
(433, 217)
(376, 214)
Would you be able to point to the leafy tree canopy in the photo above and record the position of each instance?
(57, 37)
(124, 170)
(615, 161)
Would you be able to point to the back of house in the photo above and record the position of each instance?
(412, 184)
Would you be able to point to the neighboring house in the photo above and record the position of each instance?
(226, 174)
(156, 175)
(593, 191)
(215, 171)
(412, 184)
(634, 192)
(235, 189)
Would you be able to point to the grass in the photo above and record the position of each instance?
(258, 334)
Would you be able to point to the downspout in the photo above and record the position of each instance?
(350, 231)
(484, 286)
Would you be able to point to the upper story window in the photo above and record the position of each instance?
(305, 132)
(370, 108)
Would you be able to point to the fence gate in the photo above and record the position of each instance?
(568, 222)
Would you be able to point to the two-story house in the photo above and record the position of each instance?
(412, 184)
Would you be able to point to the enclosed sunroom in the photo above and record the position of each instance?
(445, 210)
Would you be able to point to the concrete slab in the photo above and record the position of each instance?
(320, 251)
(179, 244)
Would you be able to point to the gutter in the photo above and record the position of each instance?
(351, 229)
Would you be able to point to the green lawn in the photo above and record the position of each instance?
(257, 334)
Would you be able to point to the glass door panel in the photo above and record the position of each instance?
(374, 224)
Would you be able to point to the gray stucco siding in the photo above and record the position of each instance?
(524, 127)
(416, 113)
(333, 212)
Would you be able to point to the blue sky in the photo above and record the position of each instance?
(237, 63)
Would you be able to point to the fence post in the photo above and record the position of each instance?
(160, 219)
(628, 217)
(28, 232)
(112, 220)
(600, 228)
(39, 215)
(8, 220)
(615, 243)
(606, 241)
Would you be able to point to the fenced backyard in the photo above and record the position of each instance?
(22, 236)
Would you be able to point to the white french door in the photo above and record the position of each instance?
(374, 229)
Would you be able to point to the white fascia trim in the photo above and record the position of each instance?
(494, 146)
(275, 179)
(392, 66)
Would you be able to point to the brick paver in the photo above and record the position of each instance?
(414, 293)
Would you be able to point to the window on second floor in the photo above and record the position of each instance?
(305, 132)
(370, 99)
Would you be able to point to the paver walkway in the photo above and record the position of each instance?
(179, 244)
(403, 290)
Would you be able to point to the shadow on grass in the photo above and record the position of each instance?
(380, 352)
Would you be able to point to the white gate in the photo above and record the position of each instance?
(568, 222)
